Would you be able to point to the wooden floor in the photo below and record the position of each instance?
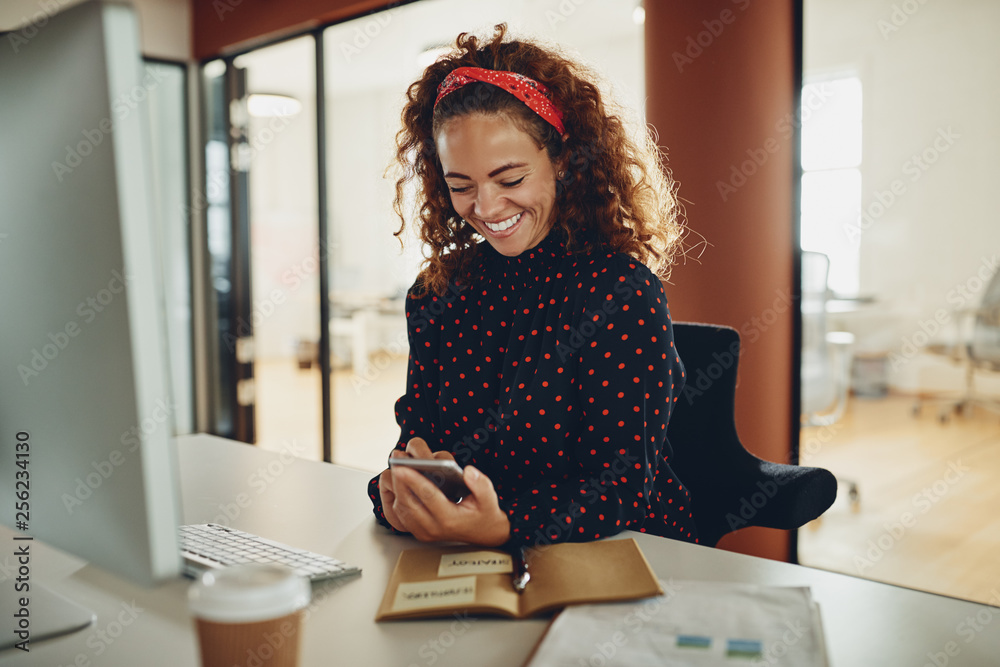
(929, 510)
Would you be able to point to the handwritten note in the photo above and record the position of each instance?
(440, 593)
(475, 562)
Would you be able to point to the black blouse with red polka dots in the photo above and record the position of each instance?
(553, 373)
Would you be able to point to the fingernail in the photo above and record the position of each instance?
(473, 474)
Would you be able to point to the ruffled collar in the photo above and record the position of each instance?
(530, 267)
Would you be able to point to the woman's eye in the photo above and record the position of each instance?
(513, 183)
(459, 190)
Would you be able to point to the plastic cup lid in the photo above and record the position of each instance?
(248, 593)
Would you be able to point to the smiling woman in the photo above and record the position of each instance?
(541, 357)
(509, 192)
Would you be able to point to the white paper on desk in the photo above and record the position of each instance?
(644, 633)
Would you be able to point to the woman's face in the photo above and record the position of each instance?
(500, 181)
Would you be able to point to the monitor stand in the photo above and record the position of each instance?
(50, 614)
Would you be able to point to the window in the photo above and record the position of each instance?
(831, 180)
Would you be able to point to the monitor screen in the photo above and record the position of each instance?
(86, 451)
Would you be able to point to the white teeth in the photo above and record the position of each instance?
(506, 224)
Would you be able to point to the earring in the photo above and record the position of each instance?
(560, 175)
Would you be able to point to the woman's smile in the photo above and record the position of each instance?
(498, 228)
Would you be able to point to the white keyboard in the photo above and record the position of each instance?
(208, 545)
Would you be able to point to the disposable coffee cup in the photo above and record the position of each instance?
(249, 615)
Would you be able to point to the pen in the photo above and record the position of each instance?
(520, 575)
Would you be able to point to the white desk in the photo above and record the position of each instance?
(325, 508)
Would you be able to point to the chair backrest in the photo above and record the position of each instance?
(703, 425)
(985, 347)
(725, 480)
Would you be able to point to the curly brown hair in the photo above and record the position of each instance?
(614, 190)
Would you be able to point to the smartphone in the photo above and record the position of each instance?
(446, 475)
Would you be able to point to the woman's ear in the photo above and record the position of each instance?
(562, 162)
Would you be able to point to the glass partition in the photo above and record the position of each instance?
(280, 158)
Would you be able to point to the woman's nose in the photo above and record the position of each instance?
(488, 204)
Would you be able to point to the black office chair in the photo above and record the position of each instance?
(730, 487)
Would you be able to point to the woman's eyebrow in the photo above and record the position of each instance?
(498, 170)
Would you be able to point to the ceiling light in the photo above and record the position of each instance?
(214, 69)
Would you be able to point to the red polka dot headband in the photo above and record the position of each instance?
(534, 94)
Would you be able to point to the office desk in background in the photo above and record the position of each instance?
(325, 508)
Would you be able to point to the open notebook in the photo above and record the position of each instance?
(441, 581)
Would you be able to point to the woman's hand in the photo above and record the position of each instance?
(388, 495)
(412, 503)
(415, 448)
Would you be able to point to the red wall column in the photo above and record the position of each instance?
(720, 85)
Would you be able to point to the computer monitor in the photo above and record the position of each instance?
(86, 452)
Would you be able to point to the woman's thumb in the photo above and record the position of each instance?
(475, 480)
